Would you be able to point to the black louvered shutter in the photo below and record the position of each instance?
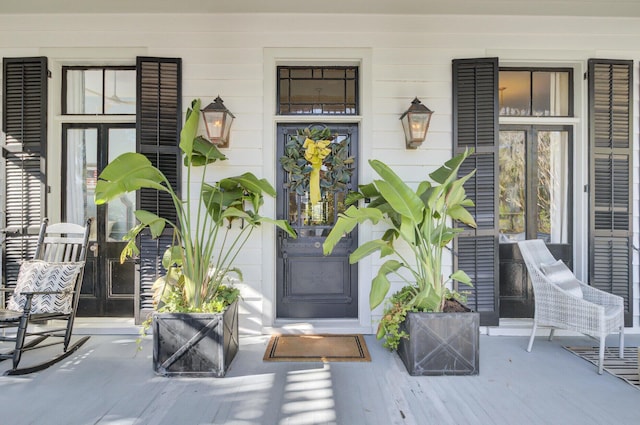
(475, 125)
(158, 125)
(610, 178)
(24, 121)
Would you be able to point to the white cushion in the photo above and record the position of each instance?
(37, 275)
(559, 274)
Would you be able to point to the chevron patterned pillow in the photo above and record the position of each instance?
(37, 275)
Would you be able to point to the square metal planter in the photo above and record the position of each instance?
(441, 344)
(195, 344)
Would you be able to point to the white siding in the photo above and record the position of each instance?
(404, 56)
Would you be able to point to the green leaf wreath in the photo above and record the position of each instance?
(336, 171)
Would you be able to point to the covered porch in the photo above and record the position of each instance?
(109, 382)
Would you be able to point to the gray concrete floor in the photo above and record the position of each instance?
(109, 382)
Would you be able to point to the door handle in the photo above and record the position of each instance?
(94, 248)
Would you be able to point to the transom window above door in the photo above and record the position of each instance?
(98, 90)
(543, 92)
(318, 90)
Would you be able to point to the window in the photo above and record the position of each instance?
(536, 92)
(98, 90)
(317, 90)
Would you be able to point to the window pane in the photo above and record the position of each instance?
(120, 88)
(84, 91)
(515, 93)
(535, 93)
(550, 93)
(512, 202)
(318, 90)
(99, 90)
(553, 186)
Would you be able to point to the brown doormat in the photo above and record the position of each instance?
(317, 348)
(625, 369)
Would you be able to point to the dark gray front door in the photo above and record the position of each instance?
(535, 203)
(310, 285)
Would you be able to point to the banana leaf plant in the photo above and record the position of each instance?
(205, 241)
(419, 228)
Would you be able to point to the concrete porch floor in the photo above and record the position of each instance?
(108, 381)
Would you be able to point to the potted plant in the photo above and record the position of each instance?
(195, 327)
(417, 320)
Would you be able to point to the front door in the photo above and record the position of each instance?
(310, 285)
(534, 203)
(108, 286)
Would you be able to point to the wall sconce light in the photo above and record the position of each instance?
(218, 120)
(415, 122)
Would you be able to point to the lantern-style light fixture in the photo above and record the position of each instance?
(415, 122)
(218, 120)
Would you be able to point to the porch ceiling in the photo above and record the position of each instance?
(612, 8)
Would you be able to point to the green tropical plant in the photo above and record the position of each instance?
(205, 244)
(422, 220)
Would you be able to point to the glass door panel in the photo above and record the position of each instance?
(512, 198)
(120, 217)
(553, 187)
(81, 176)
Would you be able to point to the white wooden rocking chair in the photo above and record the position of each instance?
(564, 302)
(48, 288)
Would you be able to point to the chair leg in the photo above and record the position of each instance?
(21, 334)
(67, 334)
(601, 356)
(621, 342)
(533, 335)
(553, 330)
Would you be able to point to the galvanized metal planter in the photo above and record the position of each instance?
(195, 344)
(441, 344)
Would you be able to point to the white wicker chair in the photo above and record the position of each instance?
(596, 313)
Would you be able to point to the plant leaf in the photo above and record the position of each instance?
(251, 183)
(156, 224)
(204, 152)
(346, 222)
(399, 196)
(127, 173)
(366, 249)
(461, 277)
(282, 224)
(380, 284)
(189, 130)
(458, 212)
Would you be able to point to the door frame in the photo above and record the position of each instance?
(272, 57)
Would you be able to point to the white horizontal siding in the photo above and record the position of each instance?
(409, 56)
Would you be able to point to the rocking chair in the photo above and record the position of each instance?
(48, 288)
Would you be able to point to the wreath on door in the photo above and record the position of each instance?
(317, 163)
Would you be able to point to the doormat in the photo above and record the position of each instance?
(317, 348)
(625, 369)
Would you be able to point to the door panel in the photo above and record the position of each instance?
(108, 286)
(310, 285)
(535, 203)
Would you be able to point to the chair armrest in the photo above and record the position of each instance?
(600, 297)
(27, 293)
